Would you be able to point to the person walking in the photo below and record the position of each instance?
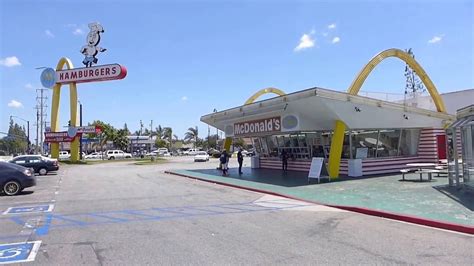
(284, 160)
(224, 161)
(240, 160)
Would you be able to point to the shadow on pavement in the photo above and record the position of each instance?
(461, 195)
(277, 177)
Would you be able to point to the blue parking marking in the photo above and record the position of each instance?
(19, 252)
(29, 209)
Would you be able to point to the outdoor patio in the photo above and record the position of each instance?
(433, 200)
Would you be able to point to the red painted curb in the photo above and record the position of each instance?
(394, 216)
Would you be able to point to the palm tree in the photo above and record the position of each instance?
(192, 134)
(159, 132)
(168, 134)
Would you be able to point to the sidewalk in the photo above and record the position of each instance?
(429, 203)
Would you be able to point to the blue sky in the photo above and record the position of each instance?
(185, 58)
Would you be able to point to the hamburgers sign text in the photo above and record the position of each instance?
(266, 125)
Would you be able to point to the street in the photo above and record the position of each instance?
(120, 213)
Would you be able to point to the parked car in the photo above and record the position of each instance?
(117, 154)
(38, 163)
(162, 150)
(191, 152)
(63, 155)
(93, 155)
(201, 156)
(14, 178)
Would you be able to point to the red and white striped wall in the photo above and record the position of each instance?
(427, 153)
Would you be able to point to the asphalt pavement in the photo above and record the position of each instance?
(124, 214)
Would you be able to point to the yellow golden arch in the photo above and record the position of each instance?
(228, 140)
(55, 127)
(339, 128)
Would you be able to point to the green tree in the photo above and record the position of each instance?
(120, 139)
(160, 143)
(192, 134)
(168, 135)
(159, 132)
(239, 142)
(125, 127)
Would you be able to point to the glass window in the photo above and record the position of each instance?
(272, 144)
(409, 142)
(364, 143)
(346, 150)
(388, 143)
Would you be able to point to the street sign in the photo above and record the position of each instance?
(88, 130)
(19, 252)
(54, 137)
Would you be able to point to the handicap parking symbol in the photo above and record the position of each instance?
(19, 252)
(29, 209)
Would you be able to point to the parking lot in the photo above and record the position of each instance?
(121, 213)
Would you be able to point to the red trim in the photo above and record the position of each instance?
(394, 216)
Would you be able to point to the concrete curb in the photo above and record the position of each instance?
(394, 216)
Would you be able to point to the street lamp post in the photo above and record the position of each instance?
(217, 132)
(28, 129)
(80, 124)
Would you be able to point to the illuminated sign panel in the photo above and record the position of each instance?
(90, 74)
(267, 125)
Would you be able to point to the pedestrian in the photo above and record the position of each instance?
(224, 159)
(284, 160)
(240, 160)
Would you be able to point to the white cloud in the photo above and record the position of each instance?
(49, 33)
(325, 34)
(332, 26)
(10, 61)
(305, 42)
(15, 104)
(78, 32)
(436, 39)
(336, 39)
(29, 86)
(184, 98)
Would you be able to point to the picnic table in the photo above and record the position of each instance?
(421, 170)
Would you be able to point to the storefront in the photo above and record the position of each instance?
(385, 136)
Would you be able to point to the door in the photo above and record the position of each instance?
(441, 146)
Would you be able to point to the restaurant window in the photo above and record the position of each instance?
(272, 144)
(346, 148)
(409, 142)
(364, 143)
(388, 143)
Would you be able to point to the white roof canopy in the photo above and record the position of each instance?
(318, 109)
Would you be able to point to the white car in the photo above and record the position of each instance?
(63, 155)
(191, 152)
(201, 156)
(117, 154)
(94, 155)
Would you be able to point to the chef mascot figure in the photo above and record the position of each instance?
(92, 49)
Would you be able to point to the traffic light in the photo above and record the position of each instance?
(69, 123)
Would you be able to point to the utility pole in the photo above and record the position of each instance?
(37, 135)
(151, 135)
(40, 107)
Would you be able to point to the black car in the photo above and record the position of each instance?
(14, 178)
(40, 164)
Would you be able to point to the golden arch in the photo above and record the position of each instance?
(338, 136)
(262, 92)
(364, 73)
(55, 127)
(228, 140)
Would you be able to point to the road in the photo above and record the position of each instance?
(118, 213)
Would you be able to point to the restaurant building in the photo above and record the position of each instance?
(382, 137)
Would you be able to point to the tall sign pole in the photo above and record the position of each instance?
(71, 76)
